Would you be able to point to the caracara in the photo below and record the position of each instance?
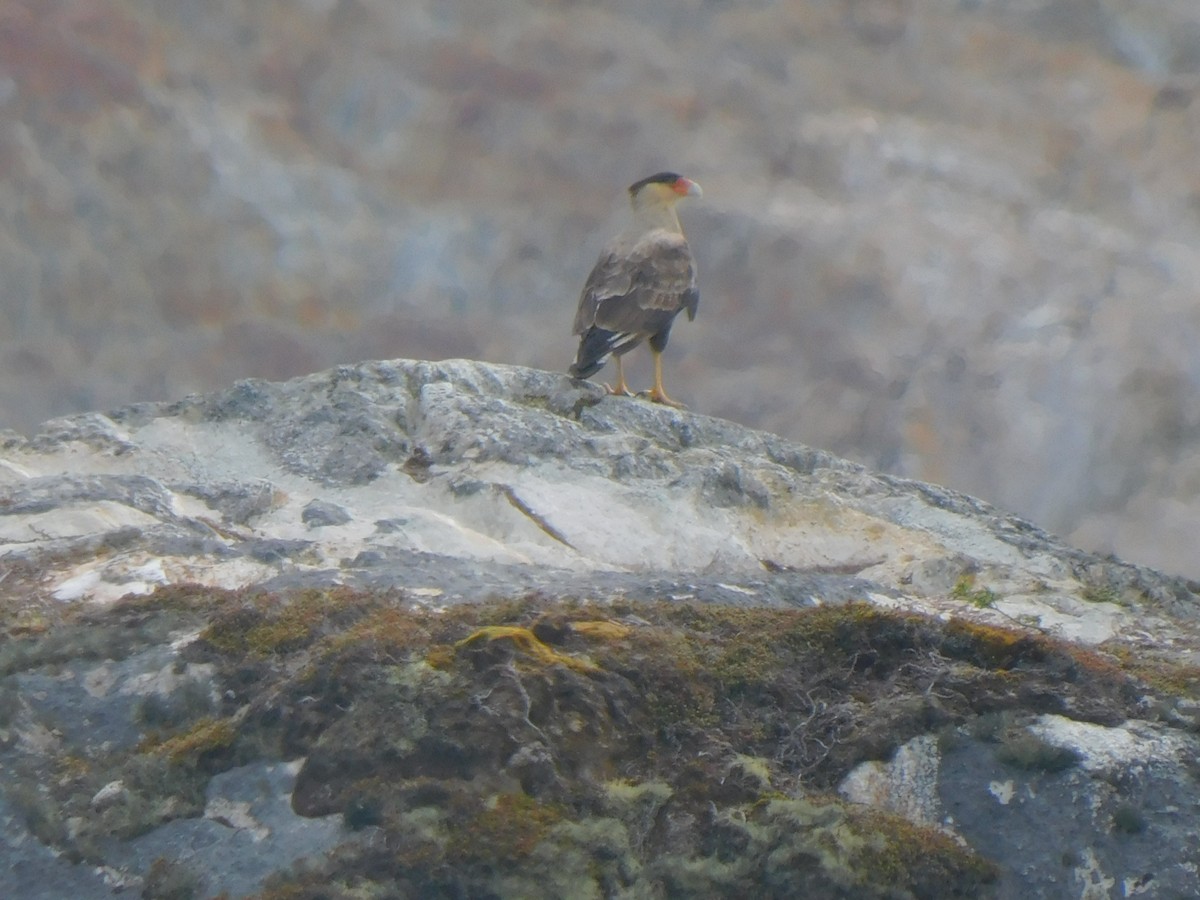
(641, 282)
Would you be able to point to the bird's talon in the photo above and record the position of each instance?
(658, 397)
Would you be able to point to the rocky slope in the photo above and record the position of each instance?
(950, 240)
(453, 629)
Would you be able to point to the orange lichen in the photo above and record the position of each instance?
(993, 647)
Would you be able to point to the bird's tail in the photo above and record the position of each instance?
(595, 347)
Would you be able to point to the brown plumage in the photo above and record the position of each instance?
(644, 278)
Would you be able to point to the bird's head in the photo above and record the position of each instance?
(665, 187)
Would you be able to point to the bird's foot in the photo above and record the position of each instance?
(658, 396)
(621, 390)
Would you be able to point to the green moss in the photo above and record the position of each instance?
(1165, 676)
(925, 862)
(754, 767)
(191, 700)
(74, 642)
(701, 876)
(636, 806)
(1101, 594)
(154, 790)
(991, 727)
(383, 632)
(40, 811)
(1031, 753)
(530, 748)
(179, 598)
(506, 828)
(810, 847)
(205, 738)
(266, 625)
(965, 590)
(583, 858)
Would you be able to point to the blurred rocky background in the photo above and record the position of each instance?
(952, 239)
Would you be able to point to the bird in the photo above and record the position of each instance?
(644, 278)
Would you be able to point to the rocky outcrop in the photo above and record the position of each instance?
(513, 634)
(450, 477)
(951, 240)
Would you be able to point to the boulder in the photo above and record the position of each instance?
(529, 631)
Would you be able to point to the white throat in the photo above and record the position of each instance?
(656, 214)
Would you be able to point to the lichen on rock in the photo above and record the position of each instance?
(557, 650)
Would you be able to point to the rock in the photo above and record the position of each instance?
(113, 792)
(391, 603)
(927, 240)
(453, 476)
(247, 832)
(318, 514)
(1120, 780)
(906, 784)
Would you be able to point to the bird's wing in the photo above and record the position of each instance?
(611, 277)
(631, 290)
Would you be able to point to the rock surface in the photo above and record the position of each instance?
(212, 605)
(951, 240)
(448, 478)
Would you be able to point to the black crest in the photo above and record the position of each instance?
(660, 178)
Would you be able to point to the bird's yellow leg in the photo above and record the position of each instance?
(621, 389)
(657, 393)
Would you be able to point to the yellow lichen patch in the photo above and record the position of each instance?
(625, 793)
(205, 736)
(754, 767)
(525, 642)
(440, 657)
(603, 631)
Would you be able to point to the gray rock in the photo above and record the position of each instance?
(32, 869)
(455, 481)
(1128, 795)
(448, 476)
(319, 513)
(931, 260)
(247, 832)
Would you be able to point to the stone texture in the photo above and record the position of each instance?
(448, 476)
(952, 241)
(448, 483)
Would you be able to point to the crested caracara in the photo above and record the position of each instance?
(641, 282)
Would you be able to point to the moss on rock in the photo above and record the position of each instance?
(521, 747)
